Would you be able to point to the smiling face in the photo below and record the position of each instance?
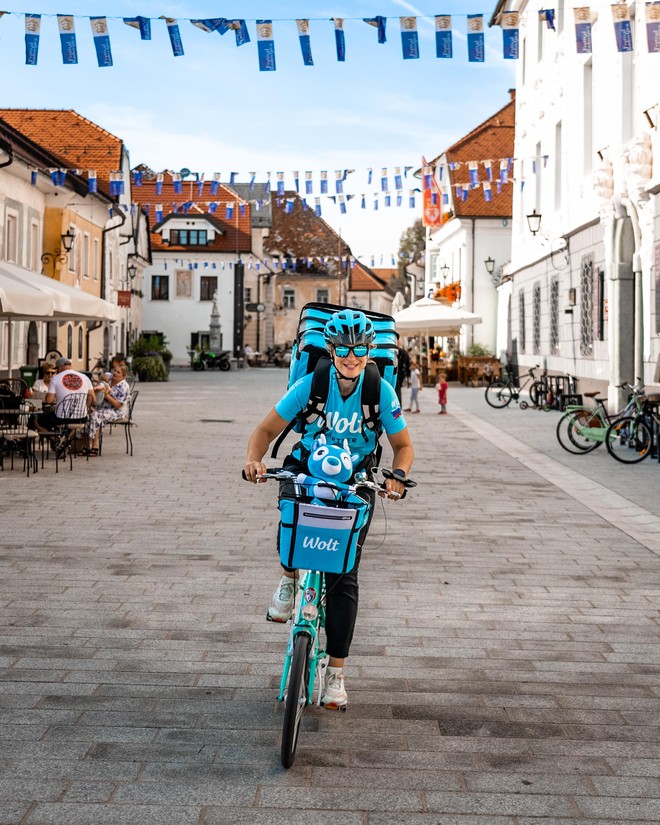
(349, 365)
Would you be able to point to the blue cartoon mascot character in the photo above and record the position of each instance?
(331, 467)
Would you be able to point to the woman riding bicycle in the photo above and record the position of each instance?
(348, 337)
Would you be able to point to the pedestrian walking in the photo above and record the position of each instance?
(441, 387)
(415, 388)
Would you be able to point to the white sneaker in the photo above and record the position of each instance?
(334, 694)
(281, 605)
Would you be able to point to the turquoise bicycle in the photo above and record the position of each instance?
(315, 539)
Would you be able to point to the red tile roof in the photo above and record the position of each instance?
(491, 140)
(236, 232)
(79, 143)
(364, 279)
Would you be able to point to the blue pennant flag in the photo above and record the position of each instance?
(376, 204)
(218, 24)
(213, 207)
(324, 183)
(370, 175)
(309, 183)
(622, 29)
(583, 20)
(443, 39)
(33, 177)
(32, 32)
(229, 210)
(253, 178)
(399, 199)
(653, 27)
(232, 178)
(305, 43)
(215, 184)
(398, 181)
(240, 29)
(266, 46)
(289, 206)
(66, 25)
(339, 181)
(241, 209)
(101, 41)
(384, 184)
(141, 23)
(340, 39)
(380, 22)
(55, 176)
(177, 183)
(488, 166)
(159, 183)
(411, 200)
(186, 207)
(137, 177)
(547, 16)
(388, 199)
(363, 202)
(476, 48)
(409, 38)
(92, 181)
(280, 183)
(159, 212)
(296, 180)
(175, 36)
(199, 180)
(317, 207)
(267, 184)
(474, 173)
(511, 35)
(116, 183)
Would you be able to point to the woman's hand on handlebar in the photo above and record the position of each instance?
(393, 489)
(253, 470)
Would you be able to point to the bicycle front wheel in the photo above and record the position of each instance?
(574, 433)
(499, 394)
(296, 698)
(629, 440)
(538, 393)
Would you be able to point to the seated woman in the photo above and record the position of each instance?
(41, 386)
(115, 405)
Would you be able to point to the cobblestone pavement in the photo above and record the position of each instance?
(505, 668)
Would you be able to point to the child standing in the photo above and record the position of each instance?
(415, 388)
(441, 387)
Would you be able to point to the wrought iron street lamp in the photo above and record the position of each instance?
(61, 254)
(534, 222)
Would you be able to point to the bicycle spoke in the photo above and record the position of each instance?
(629, 440)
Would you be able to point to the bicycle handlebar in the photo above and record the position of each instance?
(361, 481)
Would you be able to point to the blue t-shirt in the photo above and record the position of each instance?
(343, 415)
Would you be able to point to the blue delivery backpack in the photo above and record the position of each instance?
(309, 354)
(321, 536)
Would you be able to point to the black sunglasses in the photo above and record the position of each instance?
(359, 350)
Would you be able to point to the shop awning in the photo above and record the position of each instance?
(429, 317)
(26, 295)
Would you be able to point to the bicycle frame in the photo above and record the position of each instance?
(310, 620)
(598, 434)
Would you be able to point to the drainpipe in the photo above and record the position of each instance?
(474, 227)
(104, 232)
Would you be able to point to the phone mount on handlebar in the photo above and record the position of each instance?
(407, 482)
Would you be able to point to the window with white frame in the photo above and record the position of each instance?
(521, 320)
(289, 298)
(554, 316)
(34, 245)
(322, 296)
(96, 260)
(536, 319)
(587, 306)
(74, 249)
(85, 255)
(11, 237)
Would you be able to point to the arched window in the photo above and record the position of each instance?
(69, 341)
(80, 341)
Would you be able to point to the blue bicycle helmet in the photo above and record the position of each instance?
(348, 326)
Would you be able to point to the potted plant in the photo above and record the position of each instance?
(151, 358)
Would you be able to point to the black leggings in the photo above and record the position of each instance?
(342, 590)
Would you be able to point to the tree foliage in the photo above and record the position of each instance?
(411, 248)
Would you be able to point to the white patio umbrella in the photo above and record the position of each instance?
(429, 317)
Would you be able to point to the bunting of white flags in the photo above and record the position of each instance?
(410, 42)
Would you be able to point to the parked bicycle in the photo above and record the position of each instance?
(501, 393)
(632, 438)
(328, 535)
(582, 429)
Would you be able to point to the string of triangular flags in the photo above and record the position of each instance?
(291, 264)
(265, 34)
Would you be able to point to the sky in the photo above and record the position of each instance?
(212, 110)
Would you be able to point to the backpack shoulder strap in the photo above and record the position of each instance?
(318, 395)
(371, 397)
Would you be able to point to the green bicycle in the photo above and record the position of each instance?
(328, 534)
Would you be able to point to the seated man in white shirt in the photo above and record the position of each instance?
(65, 383)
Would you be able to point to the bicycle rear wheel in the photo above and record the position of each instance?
(538, 393)
(629, 440)
(573, 432)
(296, 698)
(499, 394)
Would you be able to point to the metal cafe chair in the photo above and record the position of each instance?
(127, 423)
(70, 420)
(16, 437)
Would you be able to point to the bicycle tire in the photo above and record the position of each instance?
(569, 433)
(538, 393)
(498, 394)
(629, 440)
(296, 698)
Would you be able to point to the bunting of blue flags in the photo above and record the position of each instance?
(305, 44)
(66, 25)
(266, 46)
(101, 41)
(410, 43)
(32, 32)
